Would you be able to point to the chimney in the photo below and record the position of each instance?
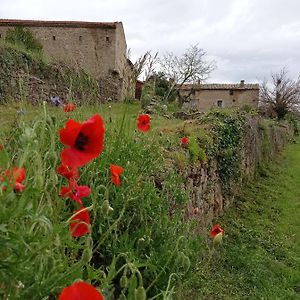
(242, 84)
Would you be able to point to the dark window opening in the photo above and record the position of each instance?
(107, 38)
(253, 100)
(233, 100)
(53, 38)
(220, 103)
(80, 38)
(0, 35)
(231, 92)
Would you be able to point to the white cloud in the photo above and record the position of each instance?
(247, 38)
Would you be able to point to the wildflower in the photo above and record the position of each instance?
(16, 176)
(67, 172)
(85, 141)
(80, 222)
(69, 107)
(184, 141)
(80, 290)
(217, 234)
(75, 192)
(216, 230)
(116, 171)
(143, 123)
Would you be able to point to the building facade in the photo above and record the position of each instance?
(204, 97)
(98, 48)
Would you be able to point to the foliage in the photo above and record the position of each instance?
(195, 151)
(137, 245)
(147, 94)
(227, 129)
(294, 122)
(18, 67)
(24, 39)
(162, 86)
(259, 258)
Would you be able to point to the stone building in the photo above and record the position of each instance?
(206, 96)
(98, 48)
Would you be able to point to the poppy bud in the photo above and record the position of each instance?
(106, 208)
(39, 181)
(124, 281)
(218, 239)
(140, 293)
(87, 255)
(186, 263)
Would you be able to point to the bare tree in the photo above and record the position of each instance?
(143, 66)
(190, 67)
(282, 95)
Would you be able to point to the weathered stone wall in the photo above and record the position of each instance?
(22, 77)
(98, 48)
(261, 143)
(205, 100)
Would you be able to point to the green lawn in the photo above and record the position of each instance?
(260, 256)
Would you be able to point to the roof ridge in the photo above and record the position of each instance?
(12, 22)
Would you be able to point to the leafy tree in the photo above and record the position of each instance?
(280, 96)
(162, 86)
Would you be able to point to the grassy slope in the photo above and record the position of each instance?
(260, 256)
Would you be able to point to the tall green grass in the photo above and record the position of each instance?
(144, 243)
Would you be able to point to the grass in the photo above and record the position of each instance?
(139, 240)
(259, 258)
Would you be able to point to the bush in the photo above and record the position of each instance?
(24, 39)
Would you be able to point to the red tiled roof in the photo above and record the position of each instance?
(40, 23)
(221, 86)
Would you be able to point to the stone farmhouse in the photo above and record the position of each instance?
(98, 48)
(203, 97)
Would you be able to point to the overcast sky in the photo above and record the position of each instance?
(247, 38)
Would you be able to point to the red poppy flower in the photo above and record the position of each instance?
(216, 230)
(67, 172)
(85, 141)
(143, 123)
(16, 176)
(69, 107)
(75, 191)
(184, 141)
(80, 223)
(80, 290)
(115, 172)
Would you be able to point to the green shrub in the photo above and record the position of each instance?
(227, 130)
(24, 39)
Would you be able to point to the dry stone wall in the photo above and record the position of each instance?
(261, 142)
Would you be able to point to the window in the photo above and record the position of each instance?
(220, 103)
(233, 100)
(53, 38)
(0, 35)
(80, 38)
(107, 38)
(231, 92)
